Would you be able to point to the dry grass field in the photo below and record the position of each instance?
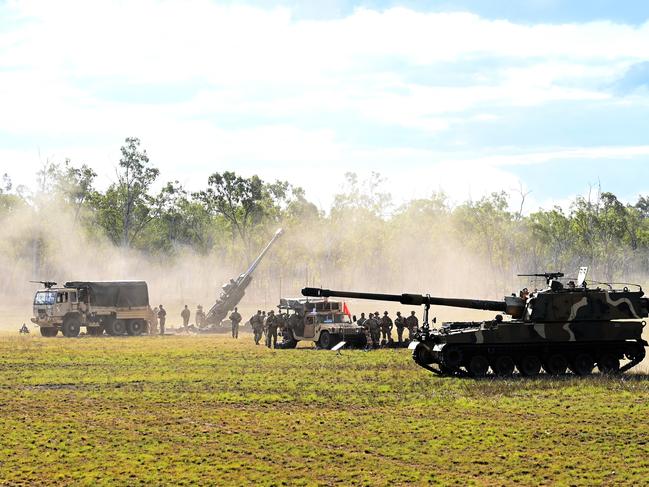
(207, 410)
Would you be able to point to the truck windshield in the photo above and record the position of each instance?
(45, 297)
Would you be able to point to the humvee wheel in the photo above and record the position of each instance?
(71, 327)
(582, 364)
(135, 327)
(555, 364)
(478, 366)
(503, 366)
(325, 341)
(49, 331)
(608, 364)
(529, 366)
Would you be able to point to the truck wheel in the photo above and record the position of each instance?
(325, 340)
(117, 327)
(135, 327)
(71, 327)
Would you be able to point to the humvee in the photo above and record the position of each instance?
(117, 307)
(321, 321)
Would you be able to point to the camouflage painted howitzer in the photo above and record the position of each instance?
(232, 292)
(561, 327)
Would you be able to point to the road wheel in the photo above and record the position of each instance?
(582, 364)
(135, 327)
(452, 357)
(608, 364)
(556, 364)
(325, 341)
(503, 366)
(49, 331)
(71, 326)
(478, 366)
(529, 366)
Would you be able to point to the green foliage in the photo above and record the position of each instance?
(363, 233)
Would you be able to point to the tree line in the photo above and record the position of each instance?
(363, 239)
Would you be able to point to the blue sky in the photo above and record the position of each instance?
(467, 97)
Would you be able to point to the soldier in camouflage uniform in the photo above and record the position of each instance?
(400, 323)
(271, 329)
(386, 328)
(361, 321)
(375, 330)
(235, 319)
(413, 324)
(257, 323)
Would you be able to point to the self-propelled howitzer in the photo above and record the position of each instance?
(233, 291)
(558, 328)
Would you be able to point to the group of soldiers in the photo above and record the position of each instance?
(379, 328)
(159, 318)
(267, 324)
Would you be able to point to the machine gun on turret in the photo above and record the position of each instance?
(548, 276)
(46, 284)
(233, 291)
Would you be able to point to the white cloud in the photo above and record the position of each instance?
(268, 72)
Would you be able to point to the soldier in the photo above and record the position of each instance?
(184, 314)
(361, 321)
(400, 323)
(24, 330)
(235, 318)
(413, 324)
(271, 329)
(153, 321)
(162, 317)
(257, 323)
(200, 317)
(386, 328)
(263, 323)
(375, 329)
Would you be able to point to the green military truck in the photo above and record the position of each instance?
(114, 307)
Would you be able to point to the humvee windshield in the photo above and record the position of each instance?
(334, 318)
(45, 297)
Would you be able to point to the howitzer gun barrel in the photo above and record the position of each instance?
(256, 262)
(409, 299)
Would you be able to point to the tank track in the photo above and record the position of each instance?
(453, 359)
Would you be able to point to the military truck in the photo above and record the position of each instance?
(116, 307)
(571, 325)
(321, 321)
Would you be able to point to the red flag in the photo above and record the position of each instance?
(346, 310)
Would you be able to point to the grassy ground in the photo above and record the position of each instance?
(205, 410)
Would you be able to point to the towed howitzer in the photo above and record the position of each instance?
(558, 328)
(232, 292)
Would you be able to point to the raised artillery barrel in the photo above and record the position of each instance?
(409, 299)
